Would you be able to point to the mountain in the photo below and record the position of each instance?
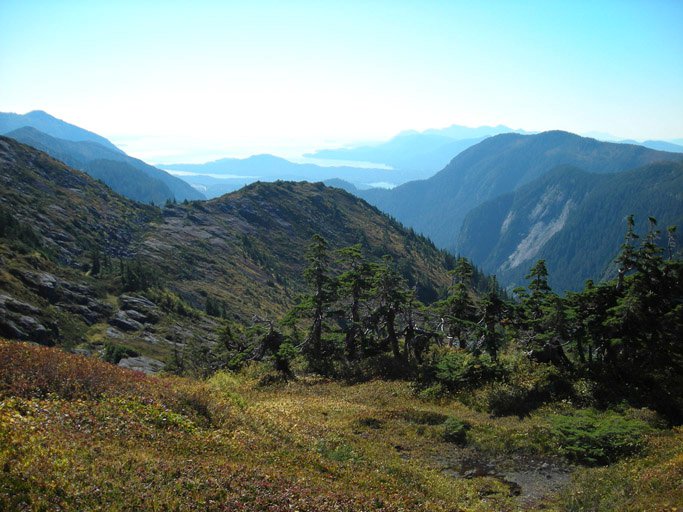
(227, 174)
(128, 176)
(460, 132)
(422, 152)
(52, 126)
(244, 251)
(425, 153)
(572, 219)
(344, 185)
(662, 145)
(498, 165)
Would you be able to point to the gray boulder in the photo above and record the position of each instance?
(125, 322)
(142, 364)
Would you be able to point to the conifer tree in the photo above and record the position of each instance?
(353, 285)
(389, 292)
(317, 303)
(458, 309)
(491, 308)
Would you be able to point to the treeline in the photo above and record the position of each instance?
(361, 320)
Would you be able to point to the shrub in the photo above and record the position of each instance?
(138, 275)
(35, 372)
(590, 438)
(504, 399)
(370, 422)
(283, 359)
(227, 384)
(113, 352)
(456, 369)
(378, 366)
(335, 449)
(527, 386)
(12, 229)
(455, 431)
(30, 371)
(171, 302)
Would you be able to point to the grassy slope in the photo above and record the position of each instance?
(78, 434)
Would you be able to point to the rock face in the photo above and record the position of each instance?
(20, 320)
(75, 298)
(135, 313)
(124, 322)
(140, 309)
(142, 364)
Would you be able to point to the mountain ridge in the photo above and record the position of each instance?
(242, 250)
(437, 206)
(46, 123)
(129, 176)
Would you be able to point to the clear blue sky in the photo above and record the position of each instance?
(172, 80)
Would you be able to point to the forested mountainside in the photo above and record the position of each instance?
(573, 220)
(498, 165)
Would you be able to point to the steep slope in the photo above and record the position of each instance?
(52, 126)
(436, 207)
(244, 250)
(71, 212)
(572, 219)
(91, 156)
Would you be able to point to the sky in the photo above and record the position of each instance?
(180, 81)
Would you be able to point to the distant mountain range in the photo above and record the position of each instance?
(425, 153)
(229, 174)
(659, 145)
(95, 155)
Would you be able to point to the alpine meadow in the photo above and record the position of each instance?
(323, 256)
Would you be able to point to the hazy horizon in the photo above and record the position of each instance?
(190, 83)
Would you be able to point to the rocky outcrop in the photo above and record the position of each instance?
(76, 298)
(140, 309)
(22, 321)
(123, 321)
(135, 313)
(142, 364)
